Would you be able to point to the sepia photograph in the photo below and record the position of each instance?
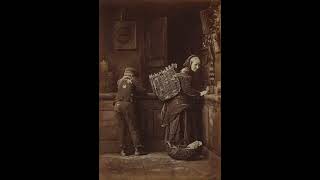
(159, 89)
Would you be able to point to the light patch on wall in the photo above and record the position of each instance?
(211, 122)
(211, 117)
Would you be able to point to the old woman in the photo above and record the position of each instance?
(175, 112)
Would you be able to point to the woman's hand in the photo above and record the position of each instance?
(202, 93)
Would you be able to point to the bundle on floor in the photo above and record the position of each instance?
(184, 152)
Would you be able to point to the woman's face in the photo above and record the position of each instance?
(195, 64)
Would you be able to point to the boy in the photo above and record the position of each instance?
(128, 88)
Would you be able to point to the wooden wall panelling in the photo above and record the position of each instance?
(205, 122)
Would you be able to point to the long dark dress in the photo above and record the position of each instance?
(175, 113)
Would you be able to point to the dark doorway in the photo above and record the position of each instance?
(185, 38)
(184, 34)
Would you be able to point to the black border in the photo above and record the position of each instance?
(51, 103)
(268, 80)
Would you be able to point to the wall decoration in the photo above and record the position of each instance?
(124, 35)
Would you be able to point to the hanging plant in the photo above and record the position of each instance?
(211, 27)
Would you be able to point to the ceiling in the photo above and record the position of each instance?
(159, 2)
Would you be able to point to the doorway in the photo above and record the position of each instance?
(185, 38)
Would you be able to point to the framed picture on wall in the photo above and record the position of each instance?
(124, 35)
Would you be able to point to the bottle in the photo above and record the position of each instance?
(103, 66)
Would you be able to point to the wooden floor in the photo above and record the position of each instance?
(154, 166)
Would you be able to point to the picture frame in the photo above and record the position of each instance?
(124, 35)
